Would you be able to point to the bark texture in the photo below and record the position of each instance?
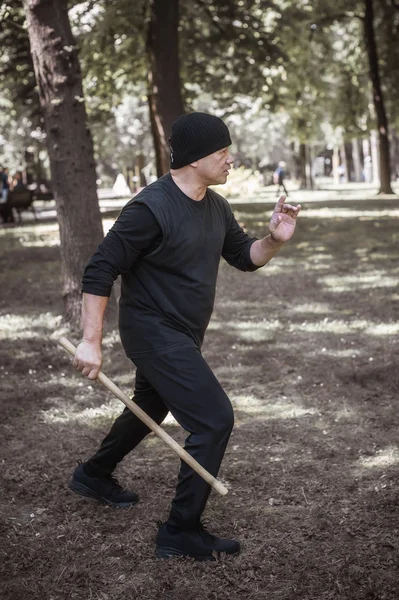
(69, 142)
(305, 175)
(164, 86)
(382, 119)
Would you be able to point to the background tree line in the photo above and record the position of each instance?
(306, 74)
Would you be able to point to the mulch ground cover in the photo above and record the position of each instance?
(307, 350)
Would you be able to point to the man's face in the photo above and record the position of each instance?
(214, 168)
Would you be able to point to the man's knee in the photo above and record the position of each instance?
(222, 424)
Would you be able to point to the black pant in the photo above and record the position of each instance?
(6, 213)
(180, 381)
(281, 184)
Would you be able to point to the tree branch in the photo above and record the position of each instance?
(208, 12)
(329, 19)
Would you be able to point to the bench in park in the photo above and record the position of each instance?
(21, 200)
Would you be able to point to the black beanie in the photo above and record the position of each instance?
(194, 136)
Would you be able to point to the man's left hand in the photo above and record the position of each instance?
(283, 220)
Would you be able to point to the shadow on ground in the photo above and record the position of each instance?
(306, 349)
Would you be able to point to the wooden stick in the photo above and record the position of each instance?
(213, 482)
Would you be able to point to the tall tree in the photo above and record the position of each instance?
(345, 12)
(378, 98)
(69, 142)
(164, 87)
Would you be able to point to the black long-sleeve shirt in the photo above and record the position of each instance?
(167, 248)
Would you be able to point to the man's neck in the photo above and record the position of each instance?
(192, 189)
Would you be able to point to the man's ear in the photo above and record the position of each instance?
(194, 164)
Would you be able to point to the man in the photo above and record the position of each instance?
(5, 208)
(166, 244)
(279, 176)
(17, 183)
(5, 180)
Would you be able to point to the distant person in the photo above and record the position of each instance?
(341, 173)
(5, 185)
(279, 176)
(5, 208)
(17, 182)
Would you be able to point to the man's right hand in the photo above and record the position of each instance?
(88, 358)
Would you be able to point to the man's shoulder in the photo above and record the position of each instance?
(219, 200)
(152, 193)
(158, 187)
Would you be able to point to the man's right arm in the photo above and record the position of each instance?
(88, 356)
(135, 230)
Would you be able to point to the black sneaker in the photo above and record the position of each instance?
(197, 543)
(104, 489)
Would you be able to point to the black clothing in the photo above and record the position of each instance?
(167, 248)
(280, 180)
(105, 489)
(281, 184)
(168, 288)
(182, 383)
(195, 136)
(5, 182)
(6, 213)
(197, 543)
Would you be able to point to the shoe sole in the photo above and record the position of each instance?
(165, 553)
(82, 490)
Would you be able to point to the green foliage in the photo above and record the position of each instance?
(230, 49)
(298, 65)
(20, 118)
(387, 32)
(16, 67)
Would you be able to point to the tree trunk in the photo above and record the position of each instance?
(302, 167)
(344, 164)
(382, 119)
(164, 87)
(350, 173)
(336, 165)
(375, 156)
(367, 160)
(396, 155)
(357, 162)
(309, 168)
(69, 142)
(305, 175)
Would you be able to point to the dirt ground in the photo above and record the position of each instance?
(307, 350)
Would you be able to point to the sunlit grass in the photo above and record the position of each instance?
(382, 459)
(92, 416)
(253, 329)
(249, 404)
(348, 213)
(27, 326)
(41, 243)
(316, 308)
(336, 353)
(32, 229)
(359, 281)
(280, 409)
(108, 411)
(240, 304)
(339, 326)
